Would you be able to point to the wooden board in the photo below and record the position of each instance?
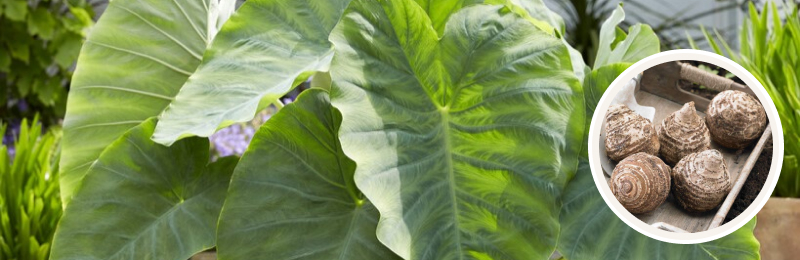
(670, 211)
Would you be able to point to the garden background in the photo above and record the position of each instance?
(40, 42)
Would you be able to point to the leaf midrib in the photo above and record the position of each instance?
(448, 146)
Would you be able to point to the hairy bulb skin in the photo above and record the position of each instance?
(628, 133)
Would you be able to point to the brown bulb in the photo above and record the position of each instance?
(701, 181)
(735, 119)
(628, 133)
(682, 133)
(641, 182)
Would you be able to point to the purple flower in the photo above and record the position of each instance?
(235, 139)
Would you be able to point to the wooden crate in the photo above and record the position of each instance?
(670, 216)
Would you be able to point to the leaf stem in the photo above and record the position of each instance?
(278, 104)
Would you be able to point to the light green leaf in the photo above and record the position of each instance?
(640, 42)
(464, 143)
(16, 10)
(312, 209)
(596, 84)
(68, 50)
(41, 23)
(539, 11)
(590, 230)
(142, 200)
(257, 56)
(132, 65)
(439, 11)
(81, 22)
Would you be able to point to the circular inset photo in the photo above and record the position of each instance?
(686, 146)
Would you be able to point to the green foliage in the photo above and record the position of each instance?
(39, 43)
(264, 51)
(456, 125)
(141, 200)
(461, 130)
(122, 78)
(590, 230)
(770, 49)
(30, 205)
(313, 208)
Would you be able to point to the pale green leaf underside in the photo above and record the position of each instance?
(142, 200)
(590, 230)
(459, 142)
(257, 55)
(292, 197)
(134, 61)
(640, 42)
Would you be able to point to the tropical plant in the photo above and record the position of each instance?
(39, 44)
(770, 49)
(30, 206)
(436, 130)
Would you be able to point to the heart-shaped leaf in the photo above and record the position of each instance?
(464, 143)
(142, 200)
(590, 230)
(292, 195)
(133, 63)
(260, 54)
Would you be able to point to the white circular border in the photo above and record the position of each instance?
(594, 142)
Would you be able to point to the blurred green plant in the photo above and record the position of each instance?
(584, 19)
(30, 205)
(39, 43)
(770, 49)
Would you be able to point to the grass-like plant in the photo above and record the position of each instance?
(30, 205)
(770, 49)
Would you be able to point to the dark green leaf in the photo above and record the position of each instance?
(142, 200)
(68, 50)
(311, 209)
(590, 230)
(41, 23)
(5, 60)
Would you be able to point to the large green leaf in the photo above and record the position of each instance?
(590, 230)
(311, 209)
(639, 42)
(142, 200)
(133, 63)
(257, 56)
(539, 11)
(464, 143)
(439, 11)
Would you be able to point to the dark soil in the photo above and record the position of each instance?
(697, 89)
(752, 187)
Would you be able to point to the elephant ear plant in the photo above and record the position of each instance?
(443, 130)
